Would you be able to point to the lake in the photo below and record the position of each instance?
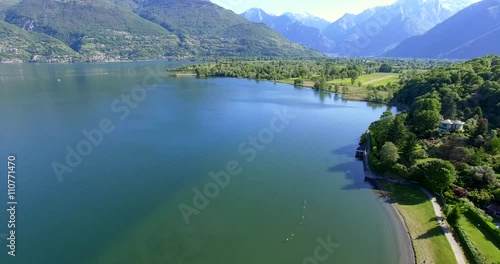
(121, 163)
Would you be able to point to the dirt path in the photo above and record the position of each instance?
(379, 79)
(457, 250)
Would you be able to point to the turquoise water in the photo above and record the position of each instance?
(120, 203)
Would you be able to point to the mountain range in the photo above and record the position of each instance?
(471, 33)
(371, 33)
(294, 28)
(116, 30)
(308, 20)
(111, 30)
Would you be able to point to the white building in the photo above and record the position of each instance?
(450, 126)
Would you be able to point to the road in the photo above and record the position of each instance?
(457, 250)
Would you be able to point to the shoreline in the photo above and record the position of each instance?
(362, 99)
(407, 246)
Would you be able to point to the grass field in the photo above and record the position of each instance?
(483, 240)
(428, 239)
(371, 79)
(355, 93)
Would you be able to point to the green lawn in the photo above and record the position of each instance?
(483, 240)
(428, 239)
(373, 79)
(355, 92)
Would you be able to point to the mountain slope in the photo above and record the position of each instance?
(17, 45)
(208, 29)
(379, 29)
(100, 30)
(291, 28)
(113, 30)
(258, 15)
(473, 32)
(4, 4)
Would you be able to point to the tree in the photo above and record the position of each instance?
(496, 194)
(385, 67)
(353, 74)
(494, 146)
(454, 214)
(481, 128)
(435, 174)
(431, 104)
(449, 108)
(398, 130)
(426, 121)
(409, 147)
(380, 129)
(483, 175)
(343, 75)
(389, 154)
(320, 84)
(345, 90)
(478, 112)
(298, 82)
(336, 88)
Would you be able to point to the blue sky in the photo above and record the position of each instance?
(327, 9)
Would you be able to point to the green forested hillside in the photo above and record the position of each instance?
(461, 164)
(4, 4)
(17, 44)
(110, 30)
(207, 29)
(464, 89)
(99, 30)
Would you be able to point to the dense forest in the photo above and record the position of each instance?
(339, 75)
(469, 92)
(463, 164)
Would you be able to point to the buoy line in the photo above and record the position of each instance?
(290, 237)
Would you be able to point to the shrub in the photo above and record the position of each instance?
(482, 197)
(401, 170)
(461, 192)
(420, 154)
(479, 216)
(470, 248)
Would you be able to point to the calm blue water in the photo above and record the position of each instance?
(120, 202)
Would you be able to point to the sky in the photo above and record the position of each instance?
(330, 10)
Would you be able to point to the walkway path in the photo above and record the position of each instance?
(457, 250)
(380, 79)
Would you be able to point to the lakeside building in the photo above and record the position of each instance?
(450, 126)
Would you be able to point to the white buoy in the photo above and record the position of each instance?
(58, 80)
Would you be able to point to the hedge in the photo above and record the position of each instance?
(485, 223)
(471, 251)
